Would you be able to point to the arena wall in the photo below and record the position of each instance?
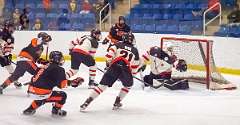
(226, 50)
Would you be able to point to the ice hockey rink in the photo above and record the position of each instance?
(196, 106)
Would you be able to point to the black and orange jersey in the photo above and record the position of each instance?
(117, 31)
(47, 78)
(33, 51)
(124, 52)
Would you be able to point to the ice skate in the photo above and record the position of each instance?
(17, 84)
(117, 104)
(3, 86)
(92, 84)
(58, 112)
(85, 104)
(29, 111)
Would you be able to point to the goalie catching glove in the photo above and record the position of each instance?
(181, 66)
(75, 82)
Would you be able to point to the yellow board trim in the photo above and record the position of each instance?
(190, 66)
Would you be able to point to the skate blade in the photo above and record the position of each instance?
(83, 110)
(58, 116)
(116, 108)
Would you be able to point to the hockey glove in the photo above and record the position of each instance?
(8, 59)
(173, 58)
(42, 61)
(105, 41)
(181, 66)
(76, 82)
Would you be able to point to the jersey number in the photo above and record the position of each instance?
(125, 54)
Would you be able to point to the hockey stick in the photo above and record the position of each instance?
(133, 77)
(47, 51)
(13, 62)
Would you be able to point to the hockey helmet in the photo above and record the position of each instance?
(96, 33)
(56, 57)
(128, 38)
(44, 37)
(121, 20)
(9, 26)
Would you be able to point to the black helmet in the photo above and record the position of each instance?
(95, 32)
(44, 37)
(121, 18)
(7, 26)
(128, 38)
(56, 57)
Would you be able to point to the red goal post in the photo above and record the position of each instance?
(198, 54)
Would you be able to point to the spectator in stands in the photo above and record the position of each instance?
(24, 21)
(98, 6)
(37, 25)
(72, 6)
(47, 5)
(86, 7)
(234, 16)
(63, 20)
(214, 11)
(52, 25)
(16, 18)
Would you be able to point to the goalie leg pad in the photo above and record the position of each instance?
(177, 84)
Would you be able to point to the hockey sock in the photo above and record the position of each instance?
(123, 92)
(92, 72)
(7, 82)
(37, 103)
(97, 91)
(71, 73)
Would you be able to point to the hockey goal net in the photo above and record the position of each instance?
(199, 57)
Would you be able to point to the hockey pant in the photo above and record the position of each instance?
(76, 60)
(21, 68)
(56, 97)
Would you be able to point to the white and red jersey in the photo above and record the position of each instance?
(6, 48)
(161, 63)
(86, 45)
(124, 52)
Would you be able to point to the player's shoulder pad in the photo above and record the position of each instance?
(94, 42)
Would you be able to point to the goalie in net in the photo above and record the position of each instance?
(199, 57)
(161, 65)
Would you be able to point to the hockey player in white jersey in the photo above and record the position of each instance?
(83, 51)
(161, 65)
(123, 61)
(6, 48)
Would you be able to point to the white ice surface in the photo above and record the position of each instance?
(196, 106)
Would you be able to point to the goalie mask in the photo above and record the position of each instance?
(56, 57)
(44, 37)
